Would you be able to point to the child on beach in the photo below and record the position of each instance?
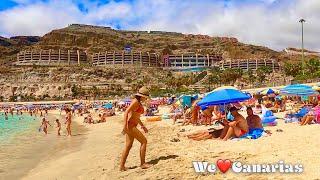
(44, 125)
(58, 126)
(6, 115)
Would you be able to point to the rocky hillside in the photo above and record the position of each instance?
(10, 47)
(93, 39)
(36, 83)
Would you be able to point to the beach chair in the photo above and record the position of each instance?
(303, 111)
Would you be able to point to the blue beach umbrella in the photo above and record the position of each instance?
(223, 96)
(267, 91)
(298, 90)
(107, 106)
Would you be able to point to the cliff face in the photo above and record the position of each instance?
(94, 39)
(10, 47)
(25, 40)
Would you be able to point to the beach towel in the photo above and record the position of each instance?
(155, 118)
(254, 133)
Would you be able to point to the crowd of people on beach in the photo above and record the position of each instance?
(229, 118)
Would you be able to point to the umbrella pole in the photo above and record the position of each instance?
(225, 110)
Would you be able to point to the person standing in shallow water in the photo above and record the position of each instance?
(44, 125)
(130, 130)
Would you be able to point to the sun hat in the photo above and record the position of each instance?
(143, 92)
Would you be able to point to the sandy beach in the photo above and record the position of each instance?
(99, 153)
(24, 151)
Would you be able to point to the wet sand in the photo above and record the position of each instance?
(29, 148)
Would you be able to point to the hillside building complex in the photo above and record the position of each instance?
(126, 58)
(191, 60)
(246, 64)
(176, 62)
(51, 57)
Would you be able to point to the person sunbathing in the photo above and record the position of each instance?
(254, 121)
(205, 134)
(210, 133)
(307, 119)
(237, 128)
(102, 118)
(310, 116)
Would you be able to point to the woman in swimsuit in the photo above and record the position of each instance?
(68, 121)
(131, 120)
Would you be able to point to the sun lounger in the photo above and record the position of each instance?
(300, 114)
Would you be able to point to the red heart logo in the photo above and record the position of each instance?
(224, 165)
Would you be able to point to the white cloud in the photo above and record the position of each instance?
(271, 23)
(38, 18)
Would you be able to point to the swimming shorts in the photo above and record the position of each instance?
(242, 132)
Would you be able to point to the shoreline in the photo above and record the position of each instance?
(83, 161)
(30, 148)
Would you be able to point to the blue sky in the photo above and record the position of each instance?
(272, 23)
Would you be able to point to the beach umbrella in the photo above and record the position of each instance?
(317, 88)
(298, 90)
(223, 96)
(267, 91)
(107, 106)
(220, 88)
(225, 87)
(30, 106)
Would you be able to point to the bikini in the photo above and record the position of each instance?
(242, 132)
(139, 110)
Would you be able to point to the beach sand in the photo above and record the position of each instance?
(98, 155)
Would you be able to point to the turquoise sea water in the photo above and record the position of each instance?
(16, 125)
